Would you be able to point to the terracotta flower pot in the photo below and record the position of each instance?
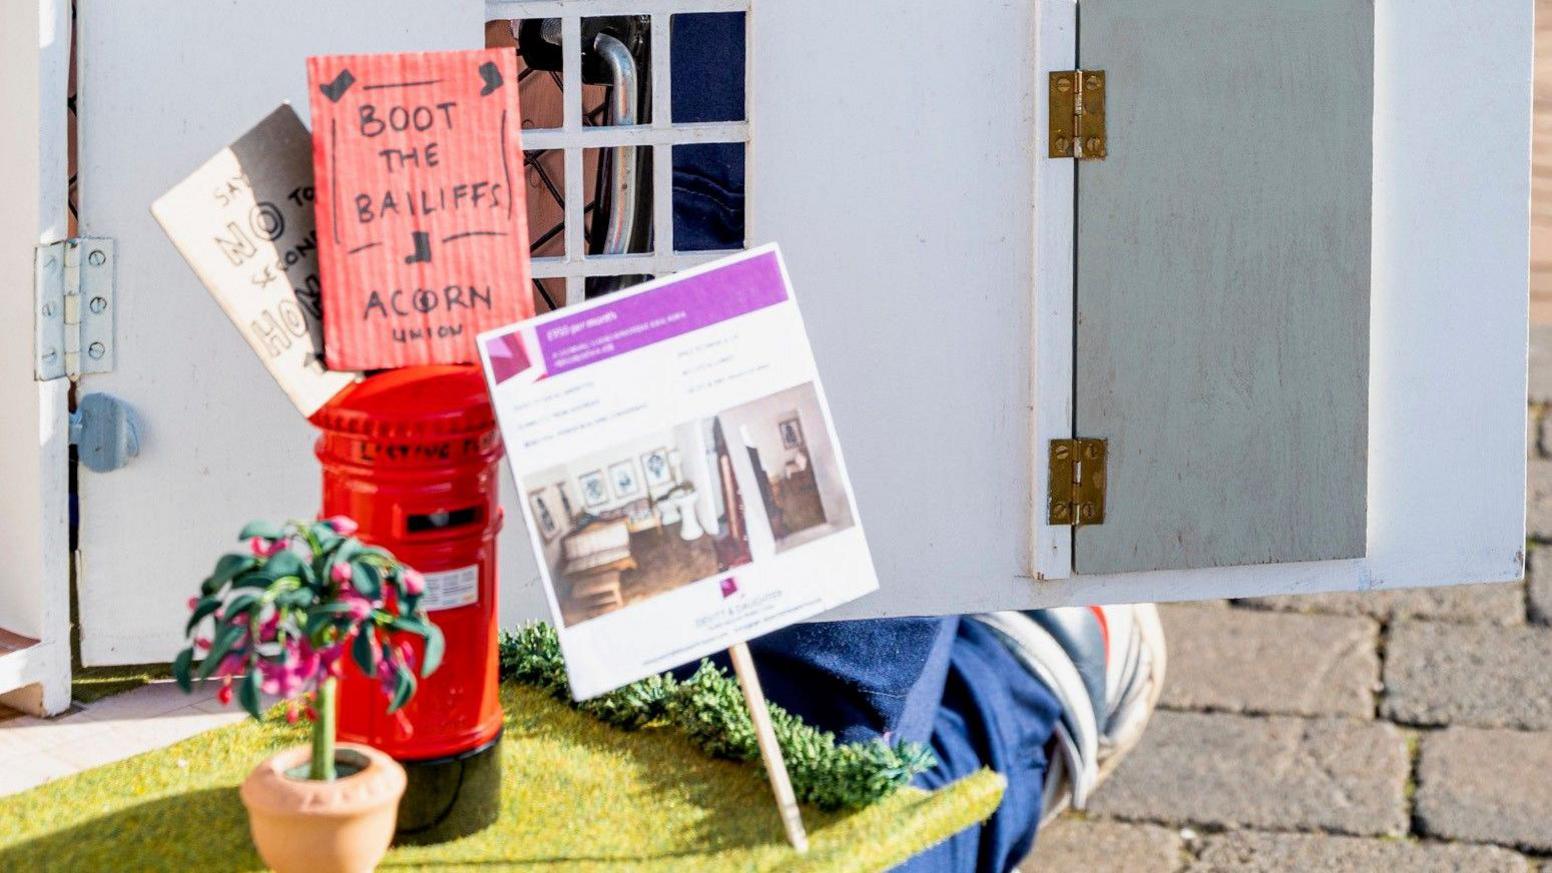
(344, 826)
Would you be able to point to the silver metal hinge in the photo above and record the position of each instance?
(73, 296)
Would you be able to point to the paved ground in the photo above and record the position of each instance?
(1402, 730)
(34, 750)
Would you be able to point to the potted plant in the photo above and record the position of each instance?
(283, 614)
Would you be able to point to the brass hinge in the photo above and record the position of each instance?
(1077, 109)
(1077, 484)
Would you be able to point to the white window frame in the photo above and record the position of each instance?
(575, 266)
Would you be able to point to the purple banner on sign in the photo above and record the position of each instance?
(663, 313)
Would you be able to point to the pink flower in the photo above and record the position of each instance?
(342, 524)
(360, 607)
(291, 713)
(414, 583)
(406, 654)
(231, 665)
(297, 665)
(340, 573)
(225, 694)
(331, 661)
(268, 630)
(202, 643)
(264, 548)
(193, 602)
(387, 670)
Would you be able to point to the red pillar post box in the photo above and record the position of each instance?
(412, 456)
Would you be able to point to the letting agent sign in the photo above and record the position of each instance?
(421, 219)
(681, 479)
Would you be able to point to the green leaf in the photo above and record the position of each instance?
(248, 694)
(347, 550)
(413, 625)
(241, 603)
(301, 598)
(180, 669)
(364, 649)
(435, 644)
(432, 659)
(260, 528)
(403, 688)
(324, 556)
(204, 607)
(256, 579)
(226, 637)
(324, 533)
(317, 622)
(366, 580)
(229, 567)
(284, 564)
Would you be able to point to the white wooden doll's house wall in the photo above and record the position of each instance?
(34, 441)
(897, 152)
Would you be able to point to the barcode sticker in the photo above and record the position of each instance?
(450, 589)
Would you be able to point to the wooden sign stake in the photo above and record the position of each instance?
(770, 751)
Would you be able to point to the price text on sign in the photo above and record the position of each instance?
(422, 227)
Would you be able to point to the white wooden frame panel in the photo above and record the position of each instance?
(1446, 473)
(163, 85)
(575, 265)
(1056, 46)
(1449, 326)
(34, 432)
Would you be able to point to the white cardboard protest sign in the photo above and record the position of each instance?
(679, 472)
(244, 222)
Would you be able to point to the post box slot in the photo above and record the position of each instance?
(442, 520)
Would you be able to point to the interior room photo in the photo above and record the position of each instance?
(638, 519)
(673, 507)
(794, 465)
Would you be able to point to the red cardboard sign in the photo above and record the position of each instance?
(423, 232)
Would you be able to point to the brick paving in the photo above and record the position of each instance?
(1398, 730)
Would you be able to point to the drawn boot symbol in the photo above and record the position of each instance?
(422, 254)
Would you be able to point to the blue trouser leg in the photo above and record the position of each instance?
(948, 683)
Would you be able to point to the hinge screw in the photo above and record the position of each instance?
(1059, 511)
(1064, 85)
(1092, 146)
(97, 350)
(48, 309)
(96, 257)
(50, 355)
(98, 304)
(1061, 453)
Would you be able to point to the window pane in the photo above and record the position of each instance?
(708, 196)
(708, 67)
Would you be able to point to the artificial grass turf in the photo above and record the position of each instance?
(91, 684)
(576, 794)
